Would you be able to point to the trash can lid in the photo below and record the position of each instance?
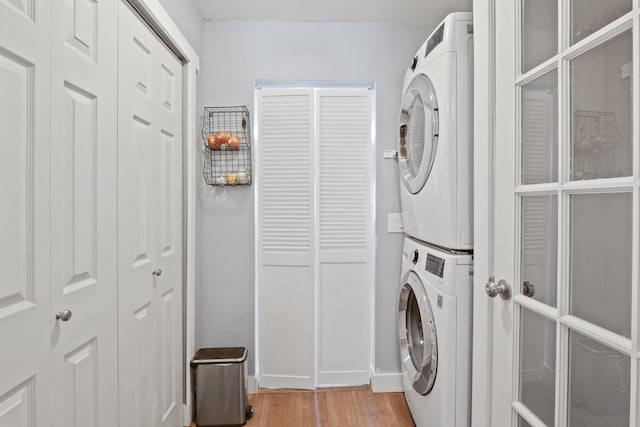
(219, 355)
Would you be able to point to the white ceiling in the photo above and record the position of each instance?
(420, 12)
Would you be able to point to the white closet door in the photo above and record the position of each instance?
(285, 239)
(344, 203)
(149, 227)
(314, 237)
(83, 213)
(25, 356)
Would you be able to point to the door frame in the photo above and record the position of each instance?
(161, 22)
(483, 176)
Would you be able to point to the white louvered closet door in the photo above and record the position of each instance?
(286, 244)
(344, 205)
(314, 237)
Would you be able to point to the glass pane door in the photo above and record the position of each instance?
(576, 214)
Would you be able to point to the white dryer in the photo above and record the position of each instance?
(434, 322)
(435, 145)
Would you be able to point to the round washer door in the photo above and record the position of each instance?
(419, 123)
(418, 338)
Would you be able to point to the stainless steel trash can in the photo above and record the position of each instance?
(219, 389)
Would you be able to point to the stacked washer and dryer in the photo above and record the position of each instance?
(435, 158)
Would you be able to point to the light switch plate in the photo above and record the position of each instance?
(626, 70)
(394, 222)
(390, 154)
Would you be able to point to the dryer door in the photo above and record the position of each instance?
(418, 338)
(419, 123)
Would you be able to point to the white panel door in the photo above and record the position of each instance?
(343, 144)
(564, 347)
(25, 313)
(84, 212)
(285, 239)
(149, 227)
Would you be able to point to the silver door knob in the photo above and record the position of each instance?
(528, 289)
(502, 288)
(157, 272)
(63, 315)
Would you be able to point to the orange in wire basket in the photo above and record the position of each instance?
(217, 139)
(233, 142)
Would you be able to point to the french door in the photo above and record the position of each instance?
(564, 317)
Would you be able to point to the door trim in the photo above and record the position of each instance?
(160, 22)
(483, 134)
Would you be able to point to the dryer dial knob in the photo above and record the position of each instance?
(416, 255)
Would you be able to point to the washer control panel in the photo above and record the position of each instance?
(435, 265)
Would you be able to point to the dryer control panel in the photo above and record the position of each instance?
(435, 265)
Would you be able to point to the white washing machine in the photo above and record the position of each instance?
(435, 145)
(434, 322)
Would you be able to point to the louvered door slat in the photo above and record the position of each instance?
(286, 198)
(344, 133)
(537, 131)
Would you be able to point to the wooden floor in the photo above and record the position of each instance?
(335, 407)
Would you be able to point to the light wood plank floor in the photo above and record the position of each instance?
(335, 407)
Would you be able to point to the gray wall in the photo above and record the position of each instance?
(235, 55)
(188, 17)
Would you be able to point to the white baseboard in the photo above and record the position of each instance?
(386, 382)
(343, 378)
(286, 381)
(383, 382)
(252, 384)
(186, 411)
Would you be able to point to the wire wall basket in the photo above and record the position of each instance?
(595, 131)
(226, 136)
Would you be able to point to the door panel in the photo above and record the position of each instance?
(168, 231)
(593, 363)
(83, 400)
(344, 230)
(17, 406)
(83, 212)
(79, 145)
(17, 187)
(82, 20)
(588, 17)
(539, 32)
(25, 320)
(286, 239)
(170, 363)
(537, 370)
(150, 227)
(601, 118)
(600, 252)
(141, 386)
